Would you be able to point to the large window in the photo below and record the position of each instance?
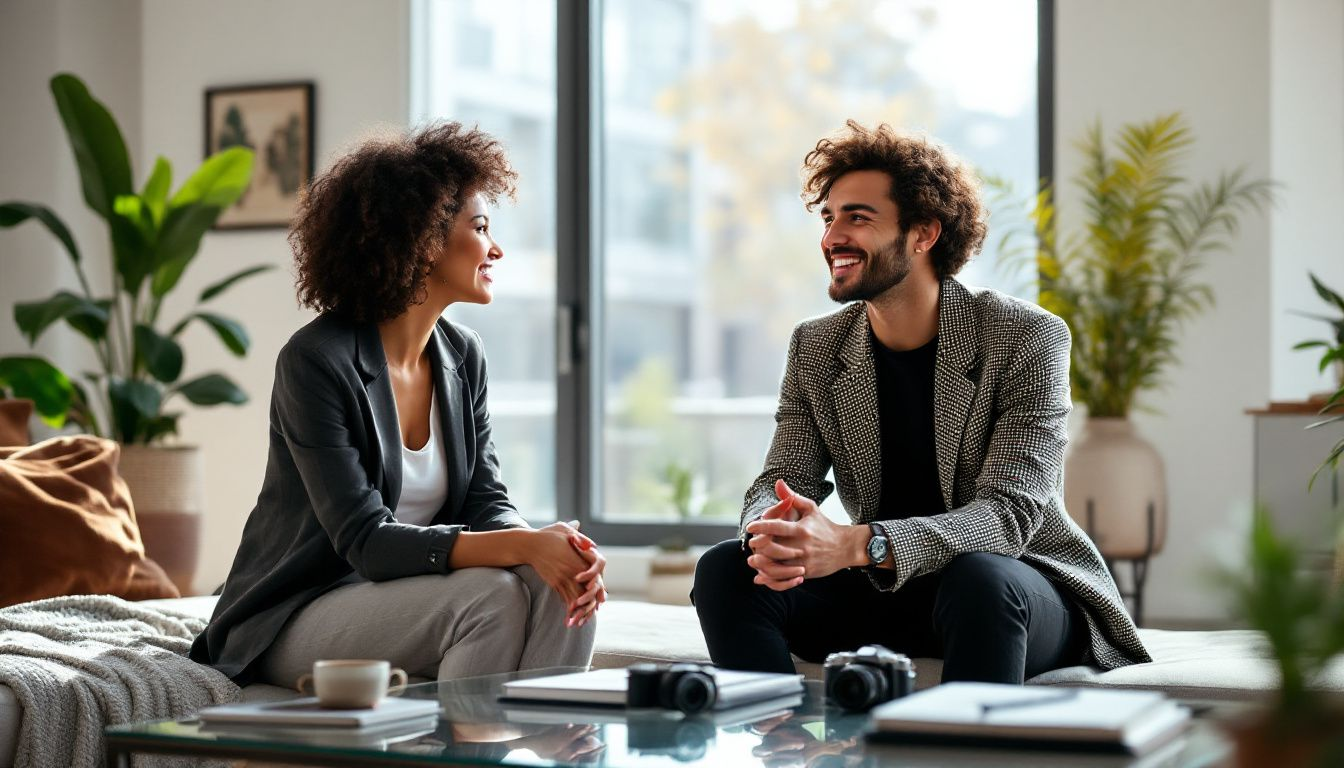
(659, 235)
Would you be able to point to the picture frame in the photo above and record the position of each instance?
(276, 120)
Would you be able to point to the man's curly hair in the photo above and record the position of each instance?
(927, 183)
(369, 229)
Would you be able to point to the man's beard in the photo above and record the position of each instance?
(880, 271)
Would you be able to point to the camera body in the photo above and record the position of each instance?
(859, 680)
(689, 688)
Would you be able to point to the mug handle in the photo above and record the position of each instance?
(400, 675)
(303, 683)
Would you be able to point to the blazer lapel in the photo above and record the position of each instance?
(954, 380)
(450, 393)
(854, 398)
(378, 387)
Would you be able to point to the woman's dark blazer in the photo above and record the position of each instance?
(333, 477)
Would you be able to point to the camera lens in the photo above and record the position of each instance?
(694, 692)
(858, 687)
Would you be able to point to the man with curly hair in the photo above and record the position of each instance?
(941, 410)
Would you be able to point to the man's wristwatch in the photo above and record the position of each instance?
(877, 545)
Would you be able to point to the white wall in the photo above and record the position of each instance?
(99, 42)
(1307, 154)
(356, 52)
(1210, 59)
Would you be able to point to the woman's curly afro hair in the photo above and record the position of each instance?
(927, 183)
(369, 229)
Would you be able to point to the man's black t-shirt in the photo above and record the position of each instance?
(905, 406)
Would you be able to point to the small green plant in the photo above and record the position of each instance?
(154, 238)
(1300, 614)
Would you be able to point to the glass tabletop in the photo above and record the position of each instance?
(475, 728)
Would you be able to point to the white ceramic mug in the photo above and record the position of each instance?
(352, 683)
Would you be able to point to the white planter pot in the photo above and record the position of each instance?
(166, 485)
(671, 576)
(1120, 474)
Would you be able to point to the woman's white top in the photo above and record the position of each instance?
(424, 475)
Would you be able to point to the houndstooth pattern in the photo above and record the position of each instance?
(1001, 404)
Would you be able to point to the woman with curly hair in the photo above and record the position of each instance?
(382, 528)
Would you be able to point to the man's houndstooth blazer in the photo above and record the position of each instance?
(1001, 402)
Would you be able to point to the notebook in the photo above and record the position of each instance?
(607, 687)
(378, 736)
(306, 711)
(1038, 717)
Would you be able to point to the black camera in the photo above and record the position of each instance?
(686, 687)
(862, 679)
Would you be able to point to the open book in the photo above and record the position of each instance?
(606, 687)
(1035, 716)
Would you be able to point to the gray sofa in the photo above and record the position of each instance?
(1224, 665)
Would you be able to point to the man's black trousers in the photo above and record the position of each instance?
(990, 618)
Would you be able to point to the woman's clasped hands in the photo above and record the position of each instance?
(571, 564)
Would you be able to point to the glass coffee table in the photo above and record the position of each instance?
(475, 728)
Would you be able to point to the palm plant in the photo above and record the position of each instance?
(154, 238)
(1129, 279)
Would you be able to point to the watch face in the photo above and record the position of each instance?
(877, 549)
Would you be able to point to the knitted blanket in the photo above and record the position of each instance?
(79, 663)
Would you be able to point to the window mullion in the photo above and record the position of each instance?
(577, 313)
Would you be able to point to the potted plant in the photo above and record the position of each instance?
(672, 569)
(154, 236)
(1302, 619)
(1125, 281)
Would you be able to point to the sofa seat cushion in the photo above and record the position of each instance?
(1230, 665)
(1226, 665)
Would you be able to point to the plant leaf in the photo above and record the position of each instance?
(100, 150)
(133, 403)
(219, 182)
(14, 212)
(162, 355)
(179, 240)
(87, 317)
(223, 285)
(134, 211)
(229, 331)
(1327, 295)
(212, 389)
(161, 425)
(157, 187)
(36, 379)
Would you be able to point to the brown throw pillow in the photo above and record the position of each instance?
(14, 421)
(69, 527)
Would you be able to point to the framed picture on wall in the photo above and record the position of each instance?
(275, 120)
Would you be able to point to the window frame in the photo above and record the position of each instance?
(579, 255)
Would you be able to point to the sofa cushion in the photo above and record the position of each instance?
(69, 525)
(1220, 665)
(1227, 665)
